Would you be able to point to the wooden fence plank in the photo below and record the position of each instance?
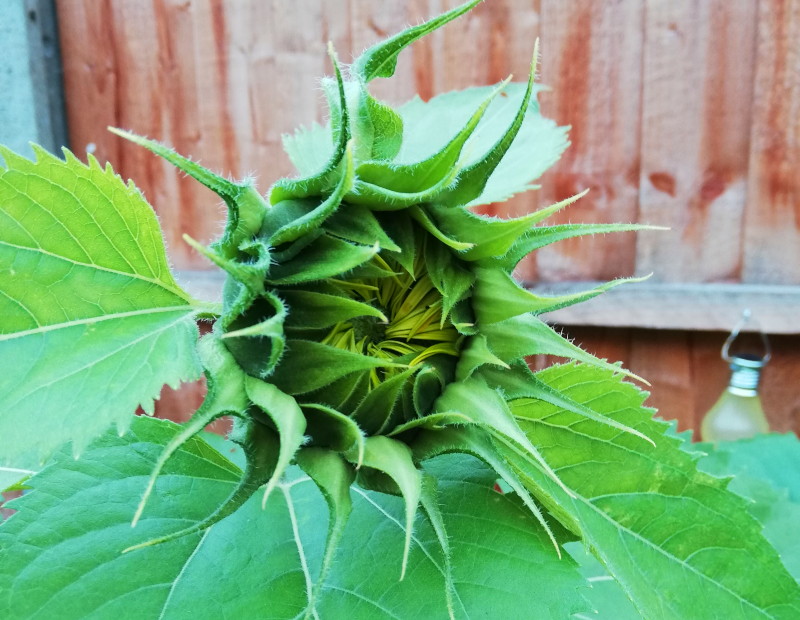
(772, 233)
(780, 395)
(117, 74)
(591, 57)
(681, 306)
(664, 359)
(219, 81)
(698, 70)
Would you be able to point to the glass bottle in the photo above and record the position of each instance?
(738, 413)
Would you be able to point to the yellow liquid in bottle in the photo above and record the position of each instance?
(734, 416)
(738, 413)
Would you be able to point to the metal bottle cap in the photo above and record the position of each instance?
(745, 367)
(746, 372)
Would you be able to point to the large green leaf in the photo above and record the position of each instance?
(679, 543)
(262, 564)
(772, 458)
(93, 322)
(760, 468)
(766, 470)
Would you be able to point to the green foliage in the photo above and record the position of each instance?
(93, 323)
(371, 350)
(13, 478)
(766, 485)
(771, 484)
(264, 563)
(647, 511)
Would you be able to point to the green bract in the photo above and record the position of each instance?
(370, 323)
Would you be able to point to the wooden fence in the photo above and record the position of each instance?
(684, 114)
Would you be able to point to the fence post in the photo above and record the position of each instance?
(31, 89)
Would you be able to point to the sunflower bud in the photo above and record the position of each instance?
(370, 318)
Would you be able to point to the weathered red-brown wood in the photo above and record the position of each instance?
(697, 75)
(772, 223)
(591, 58)
(664, 359)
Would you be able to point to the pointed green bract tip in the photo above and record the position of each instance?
(216, 183)
(380, 60)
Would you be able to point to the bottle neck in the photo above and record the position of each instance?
(745, 375)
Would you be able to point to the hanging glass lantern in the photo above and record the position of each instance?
(738, 413)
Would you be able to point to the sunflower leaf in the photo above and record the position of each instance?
(89, 307)
(287, 542)
(646, 512)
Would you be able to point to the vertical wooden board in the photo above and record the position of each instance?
(483, 47)
(710, 374)
(664, 359)
(772, 229)
(779, 388)
(696, 112)
(179, 405)
(605, 343)
(591, 58)
(611, 344)
(86, 35)
(278, 55)
(114, 71)
(218, 81)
